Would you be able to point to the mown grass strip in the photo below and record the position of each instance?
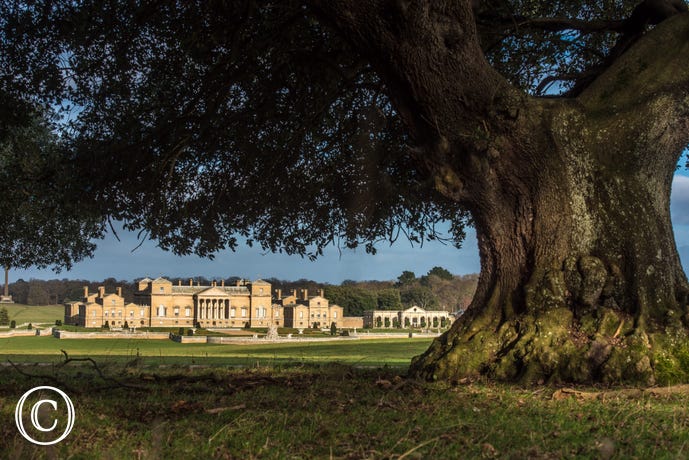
(391, 352)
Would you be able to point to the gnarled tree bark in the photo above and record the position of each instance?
(580, 277)
(581, 280)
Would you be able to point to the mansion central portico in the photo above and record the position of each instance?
(212, 305)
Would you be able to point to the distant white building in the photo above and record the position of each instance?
(411, 317)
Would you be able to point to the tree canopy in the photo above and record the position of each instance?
(267, 116)
(205, 122)
(39, 226)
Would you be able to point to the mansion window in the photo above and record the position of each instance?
(243, 312)
(161, 310)
(233, 312)
(106, 313)
(301, 315)
(141, 312)
(94, 313)
(131, 313)
(334, 314)
(187, 311)
(277, 314)
(176, 311)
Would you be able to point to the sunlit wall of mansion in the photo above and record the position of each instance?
(415, 316)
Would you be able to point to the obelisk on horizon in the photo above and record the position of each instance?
(6, 297)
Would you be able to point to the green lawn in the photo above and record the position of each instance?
(33, 314)
(338, 412)
(392, 352)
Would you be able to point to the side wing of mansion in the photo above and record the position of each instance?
(411, 317)
(160, 303)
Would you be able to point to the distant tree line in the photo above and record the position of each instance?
(438, 289)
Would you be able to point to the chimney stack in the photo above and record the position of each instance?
(119, 291)
(179, 282)
(320, 293)
(306, 294)
(86, 292)
(214, 284)
(222, 283)
(101, 291)
(279, 293)
(191, 282)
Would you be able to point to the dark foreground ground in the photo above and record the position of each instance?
(333, 411)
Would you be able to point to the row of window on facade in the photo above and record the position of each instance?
(162, 310)
(435, 322)
(261, 312)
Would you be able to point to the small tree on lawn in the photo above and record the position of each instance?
(106, 325)
(333, 328)
(30, 326)
(4, 317)
(13, 324)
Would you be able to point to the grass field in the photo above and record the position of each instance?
(350, 399)
(390, 352)
(33, 314)
(339, 412)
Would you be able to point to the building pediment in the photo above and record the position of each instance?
(161, 280)
(213, 291)
(415, 309)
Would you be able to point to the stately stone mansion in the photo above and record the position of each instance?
(160, 303)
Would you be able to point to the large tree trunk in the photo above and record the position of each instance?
(580, 277)
(579, 267)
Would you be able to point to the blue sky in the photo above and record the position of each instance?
(119, 260)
